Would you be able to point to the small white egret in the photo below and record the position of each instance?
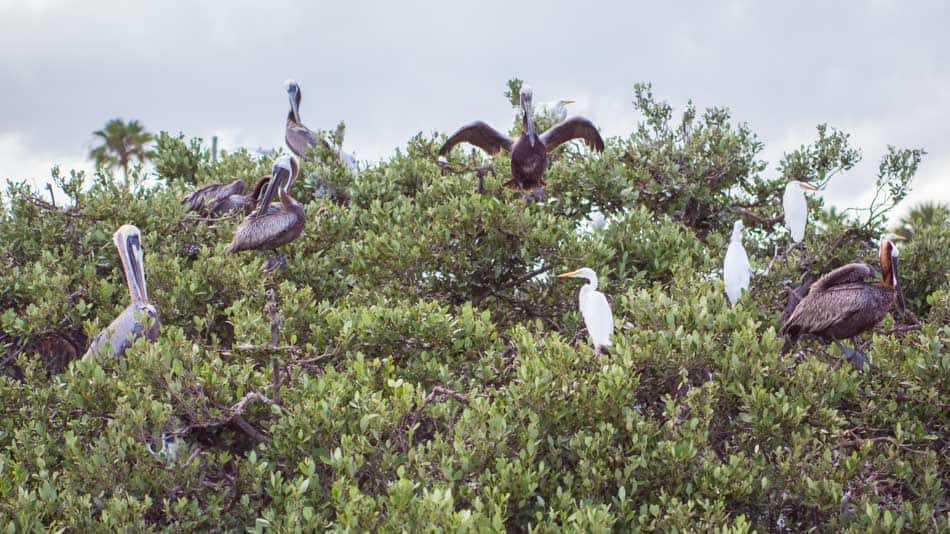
(796, 208)
(594, 308)
(556, 110)
(597, 221)
(736, 271)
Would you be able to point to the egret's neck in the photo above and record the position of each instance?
(591, 282)
(737, 235)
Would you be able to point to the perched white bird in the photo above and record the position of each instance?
(597, 221)
(594, 308)
(555, 109)
(736, 271)
(796, 208)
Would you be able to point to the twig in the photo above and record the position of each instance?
(440, 391)
(509, 284)
(52, 199)
(236, 416)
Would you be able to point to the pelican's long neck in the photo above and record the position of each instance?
(888, 269)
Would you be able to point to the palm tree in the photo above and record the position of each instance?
(121, 142)
(921, 216)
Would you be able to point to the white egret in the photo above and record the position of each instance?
(594, 308)
(555, 109)
(736, 271)
(796, 208)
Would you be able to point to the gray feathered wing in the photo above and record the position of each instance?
(299, 139)
(573, 128)
(830, 301)
(481, 135)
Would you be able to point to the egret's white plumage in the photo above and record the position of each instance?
(796, 208)
(736, 271)
(552, 110)
(594, 308)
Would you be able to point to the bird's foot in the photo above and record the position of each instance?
(271, 265)
(536, 195)
(857, 358)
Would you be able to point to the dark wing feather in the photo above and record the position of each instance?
(821, 310)
(299, 139)
(573, 128)
(212, 193)
(481, 135)
(844, 275)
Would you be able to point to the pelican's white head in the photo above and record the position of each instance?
(293, 92)
(526, 94)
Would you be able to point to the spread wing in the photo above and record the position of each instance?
(481, 135)
(573, 128)
(299, 139)
(847, 274)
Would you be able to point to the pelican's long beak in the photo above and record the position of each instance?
(528, 119)
(572, 274)
(807, 186)
(128, 242)
(278, 175)
(293, 104)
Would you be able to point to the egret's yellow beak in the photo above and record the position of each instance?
(807, 187)
(571, 274)
(898, 237)
(567, 101)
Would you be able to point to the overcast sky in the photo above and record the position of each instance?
(878, 69)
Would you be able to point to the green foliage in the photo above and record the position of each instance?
(435, 375)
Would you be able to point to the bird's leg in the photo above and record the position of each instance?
(481, 172)
(536, 195)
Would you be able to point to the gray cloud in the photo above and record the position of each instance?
(391, 69)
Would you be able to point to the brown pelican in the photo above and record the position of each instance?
(299, 138)
(529, 153)
(140, 317)
(272, 225)
(841, 305)
(218, 199)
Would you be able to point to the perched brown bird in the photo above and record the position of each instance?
(219, 199)
(272, 225)
(529, 153)
(139, 318)
(842, 305)
(298, 137)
